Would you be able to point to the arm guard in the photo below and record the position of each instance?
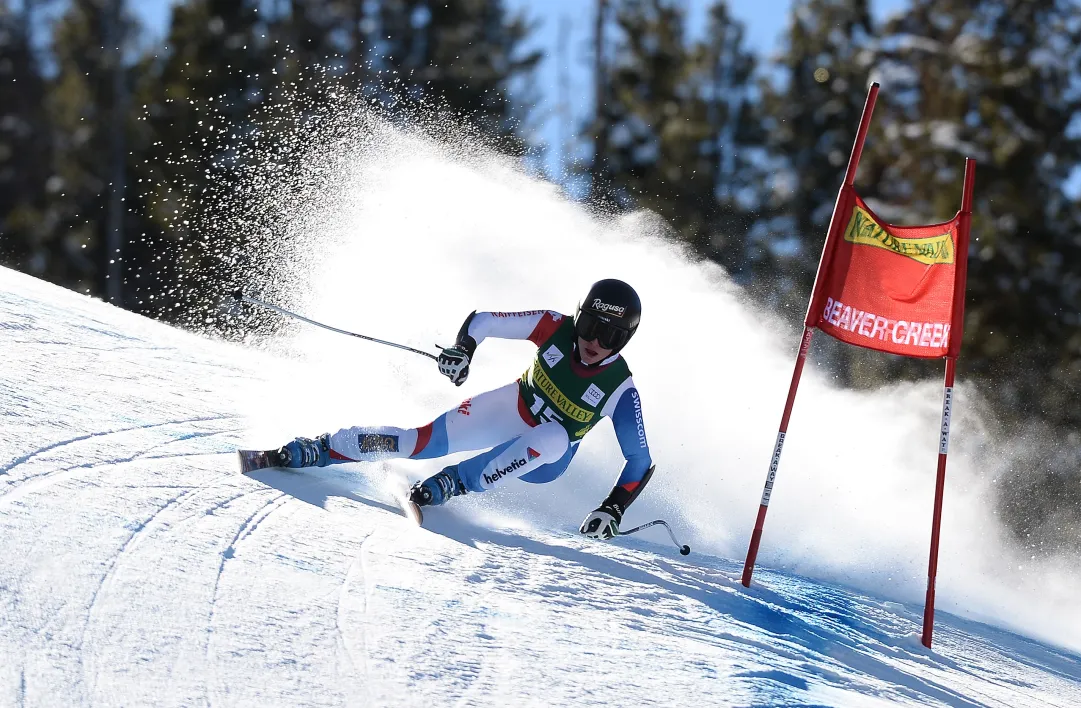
(464, 341)
(620, 497)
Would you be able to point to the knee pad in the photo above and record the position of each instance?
(550, 440)
(543, 445)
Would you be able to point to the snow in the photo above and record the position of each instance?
(139, 568)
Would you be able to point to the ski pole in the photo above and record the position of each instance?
(239, 296)
(683, 550)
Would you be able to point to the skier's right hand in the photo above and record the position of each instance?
(454, 364)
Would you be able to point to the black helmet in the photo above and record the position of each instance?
(609, 313)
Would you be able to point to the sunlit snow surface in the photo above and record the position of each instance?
(140, 569)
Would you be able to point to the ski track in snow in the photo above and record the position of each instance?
(246, 527)
(63, 443)
(346, 628)
(36, 481)
(91, 620)
(141, 569)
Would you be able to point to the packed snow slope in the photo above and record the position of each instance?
(139, 568)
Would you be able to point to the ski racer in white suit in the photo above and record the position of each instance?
(531, 428)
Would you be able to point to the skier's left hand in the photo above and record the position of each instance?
(602, 523)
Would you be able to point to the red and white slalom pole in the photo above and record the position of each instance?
(947, 397)
(775, 461)
(940, 488)
(836, 225)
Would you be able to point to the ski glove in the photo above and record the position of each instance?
(454, 364)
(603, 523)
(454, 361)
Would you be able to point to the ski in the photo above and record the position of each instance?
(251, 460)
(409, 509)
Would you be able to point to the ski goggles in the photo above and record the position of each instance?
(589, 326)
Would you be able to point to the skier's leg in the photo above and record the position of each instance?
(551, 471)
(477, 423)
(547, 444)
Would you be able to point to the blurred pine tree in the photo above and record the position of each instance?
(27, 236)
(82, 102)
(657, 153)
(458, 59)
(678, 130)
(726, 77)
(811, 114)
(199, 96)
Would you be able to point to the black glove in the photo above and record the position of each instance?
(454, 364)
(454, 361)
(603, 522)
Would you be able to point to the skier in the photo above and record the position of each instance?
(535, 423)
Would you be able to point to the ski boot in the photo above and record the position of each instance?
(438, 488)
(304, 452)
